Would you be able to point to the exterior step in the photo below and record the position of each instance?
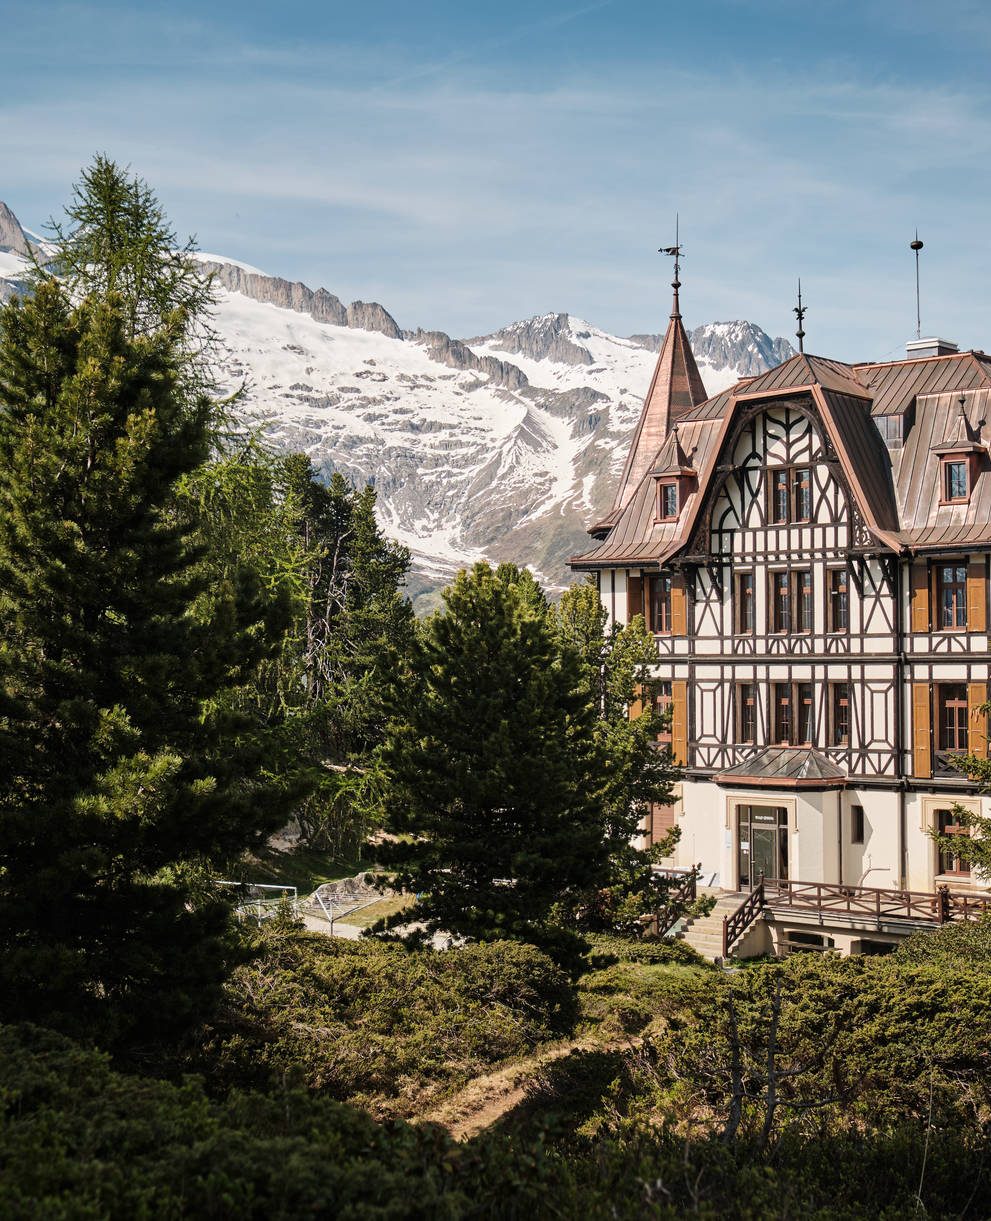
(705, 933)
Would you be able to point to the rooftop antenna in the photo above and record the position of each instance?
(799, 312)
(674, 250)
(917, 246)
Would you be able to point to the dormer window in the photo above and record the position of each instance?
(667, 500)
(956, 480)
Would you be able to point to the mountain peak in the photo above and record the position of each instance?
(543, 337)
(11, 234)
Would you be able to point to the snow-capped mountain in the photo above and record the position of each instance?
(503, 446)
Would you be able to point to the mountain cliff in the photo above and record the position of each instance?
(502, 446)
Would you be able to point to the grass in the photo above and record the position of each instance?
(375, 911)
(302, 867)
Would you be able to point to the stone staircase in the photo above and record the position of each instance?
(705, 933)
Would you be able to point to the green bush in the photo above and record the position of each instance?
(953, 946)
(608, 949)
(371, 1020)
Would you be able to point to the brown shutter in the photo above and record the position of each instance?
(679, 721)
(977, 722)
(634, 598)
(679, 605)
(920, 597)
(977, 620)
(921, 731)
(661, 821)
(636, 708)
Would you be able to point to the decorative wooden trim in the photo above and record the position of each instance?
(634, 598)
(976, 596)
(679, 605)
(679, 720)
(977, 721)
(920, 596)
(921, 731)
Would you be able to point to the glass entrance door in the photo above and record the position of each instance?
(762, 843)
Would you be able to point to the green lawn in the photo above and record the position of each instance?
(375, 911)
(305, 868)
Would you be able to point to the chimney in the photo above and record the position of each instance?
(917, 349)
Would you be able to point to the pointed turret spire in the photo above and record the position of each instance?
(675, 389)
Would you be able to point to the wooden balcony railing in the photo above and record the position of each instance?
(865, 902)
(737, 923)
(686, 893)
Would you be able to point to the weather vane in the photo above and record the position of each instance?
(675, 251)
(799, 312)
(917, 246)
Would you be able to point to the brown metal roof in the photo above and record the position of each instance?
(896, 489)
(675, 389)
(924, 521)
(785, 767)
(893, 386)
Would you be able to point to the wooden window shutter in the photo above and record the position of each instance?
(661, 821)
(977, 722)
(679, 605)
(636, 708)
(977, 620)
(921, 731)
(679, 721)
(634, 598)
(920, 597)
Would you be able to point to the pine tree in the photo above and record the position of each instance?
(494, 773)
(616, 668)
(125, 772)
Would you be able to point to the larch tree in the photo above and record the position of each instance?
(127, 774)
(494, 776)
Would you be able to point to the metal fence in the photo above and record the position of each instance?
(259, 900)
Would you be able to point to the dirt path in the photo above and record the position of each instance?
(486, 1099)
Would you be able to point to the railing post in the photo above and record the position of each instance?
(943, 904)
(725, 938)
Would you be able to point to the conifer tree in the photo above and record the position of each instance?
(125, 773)
(494, 772)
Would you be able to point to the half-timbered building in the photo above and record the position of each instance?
(810, 549)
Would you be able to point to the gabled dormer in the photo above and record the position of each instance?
(674, 479)
(961, 458)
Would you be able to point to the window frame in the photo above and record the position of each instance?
(943, 858)
(832, 594)
(742, 703)
(945, 464)
(789, 496)
(660, 509)
(857, 825)
(739, 628)
(663, 701)
(959, 723)
(781, 609)
(665, 603)
(958, 584)
(836, 703)
(796, 487)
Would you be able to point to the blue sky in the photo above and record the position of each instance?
(468, 164)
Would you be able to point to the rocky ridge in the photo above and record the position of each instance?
(502, 446)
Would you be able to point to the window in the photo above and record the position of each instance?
(840, 735)
(792, 714)
(838, 612)
(746, 712)
(803, 601)
(667, 501)
(951, 703)
(951, 595)
(856, 824)
(662, 707)
(803, 708)
(789, 497)
(801, 485)
(744, 603)
(660, 604)
(780, 602)
(956, 488)
(779, 497)
(791, 602)
(781, 695)
(951, 862)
